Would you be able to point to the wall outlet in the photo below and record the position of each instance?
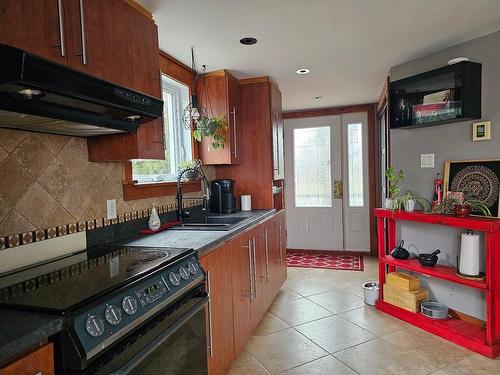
(111, 208)
(427, 161)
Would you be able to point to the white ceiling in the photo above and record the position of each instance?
(349, 45)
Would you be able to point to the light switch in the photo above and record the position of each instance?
(427, 161)
(111, 208)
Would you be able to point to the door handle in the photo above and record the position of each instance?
(338, 190)
(267, 255)
(210, 336)
(82, 33)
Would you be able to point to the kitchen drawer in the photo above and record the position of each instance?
(39, 362)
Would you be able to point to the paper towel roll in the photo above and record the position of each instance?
(469, 254)
(246, 203)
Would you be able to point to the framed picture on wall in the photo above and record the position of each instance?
(477, 179)
(481, 131)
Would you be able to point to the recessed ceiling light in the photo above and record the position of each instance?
(302, 71)
(248, 41)
(317, 97)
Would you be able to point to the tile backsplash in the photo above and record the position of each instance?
(47, 181)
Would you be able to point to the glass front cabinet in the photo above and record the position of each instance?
(448, 94)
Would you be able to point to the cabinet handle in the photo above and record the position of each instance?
(277, 146)
(39, 372)
(250, 267)
(234, 133)
(62, 44)
(254, 270)
(210, 338)
(82, 32)
(267, 255)
(280, 242)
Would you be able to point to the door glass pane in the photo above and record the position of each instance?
(312, 167)
(355, 164)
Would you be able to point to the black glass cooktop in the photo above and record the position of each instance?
(68, 282)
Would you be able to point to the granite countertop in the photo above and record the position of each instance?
(202, 241)
(22, 331)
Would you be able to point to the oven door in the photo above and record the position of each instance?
(174, 342)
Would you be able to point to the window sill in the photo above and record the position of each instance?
(133, 190)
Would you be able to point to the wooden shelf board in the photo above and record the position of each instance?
(460, 332)
(438, 271)
(475, 223)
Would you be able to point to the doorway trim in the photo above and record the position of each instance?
(373, 157)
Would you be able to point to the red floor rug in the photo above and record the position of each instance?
(324, 260)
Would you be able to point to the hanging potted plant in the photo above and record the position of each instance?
(215, 128)
(393, 179)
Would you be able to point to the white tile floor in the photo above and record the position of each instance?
(319, 325)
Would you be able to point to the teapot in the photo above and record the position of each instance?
(399, 252)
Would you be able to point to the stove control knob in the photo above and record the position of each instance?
(113, 315)
(129, 305)
(174, 278)
(192, 267)
(94, 325)
(184, 273)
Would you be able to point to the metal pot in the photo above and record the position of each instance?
(429, 260)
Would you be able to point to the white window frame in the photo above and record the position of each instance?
(180, 143)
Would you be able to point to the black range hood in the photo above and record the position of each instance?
(42, 96)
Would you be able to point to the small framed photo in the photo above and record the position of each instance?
(481, 131)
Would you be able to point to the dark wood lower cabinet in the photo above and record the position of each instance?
(244, 275)
(41, 361)
(220, 330)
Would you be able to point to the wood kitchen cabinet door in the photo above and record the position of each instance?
(281, 246)
(219, 93)
(112, 40)
(37, 27)
(40, 361)
(217, 265)
(242, 288)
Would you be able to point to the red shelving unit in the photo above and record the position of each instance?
(483, 340)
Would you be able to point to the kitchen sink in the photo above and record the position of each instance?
(210, 223)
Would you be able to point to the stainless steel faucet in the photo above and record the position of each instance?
(198, 169)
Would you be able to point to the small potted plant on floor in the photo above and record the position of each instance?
(393, 179)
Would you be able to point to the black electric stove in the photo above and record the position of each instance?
(124, 307)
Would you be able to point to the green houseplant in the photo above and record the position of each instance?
(394, 188)
(212, 127)
(462, 208)
(189, 166)
(407, 202)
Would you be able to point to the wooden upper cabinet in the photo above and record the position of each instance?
(219, 93)
(278, 133)
(35, 26)
(113, 41)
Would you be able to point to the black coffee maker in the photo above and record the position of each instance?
(222, 200)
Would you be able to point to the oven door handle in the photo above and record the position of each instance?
(135, 360)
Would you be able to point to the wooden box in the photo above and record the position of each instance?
(408, 300)
(403, 281)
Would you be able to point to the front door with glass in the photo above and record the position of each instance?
(327, 180)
